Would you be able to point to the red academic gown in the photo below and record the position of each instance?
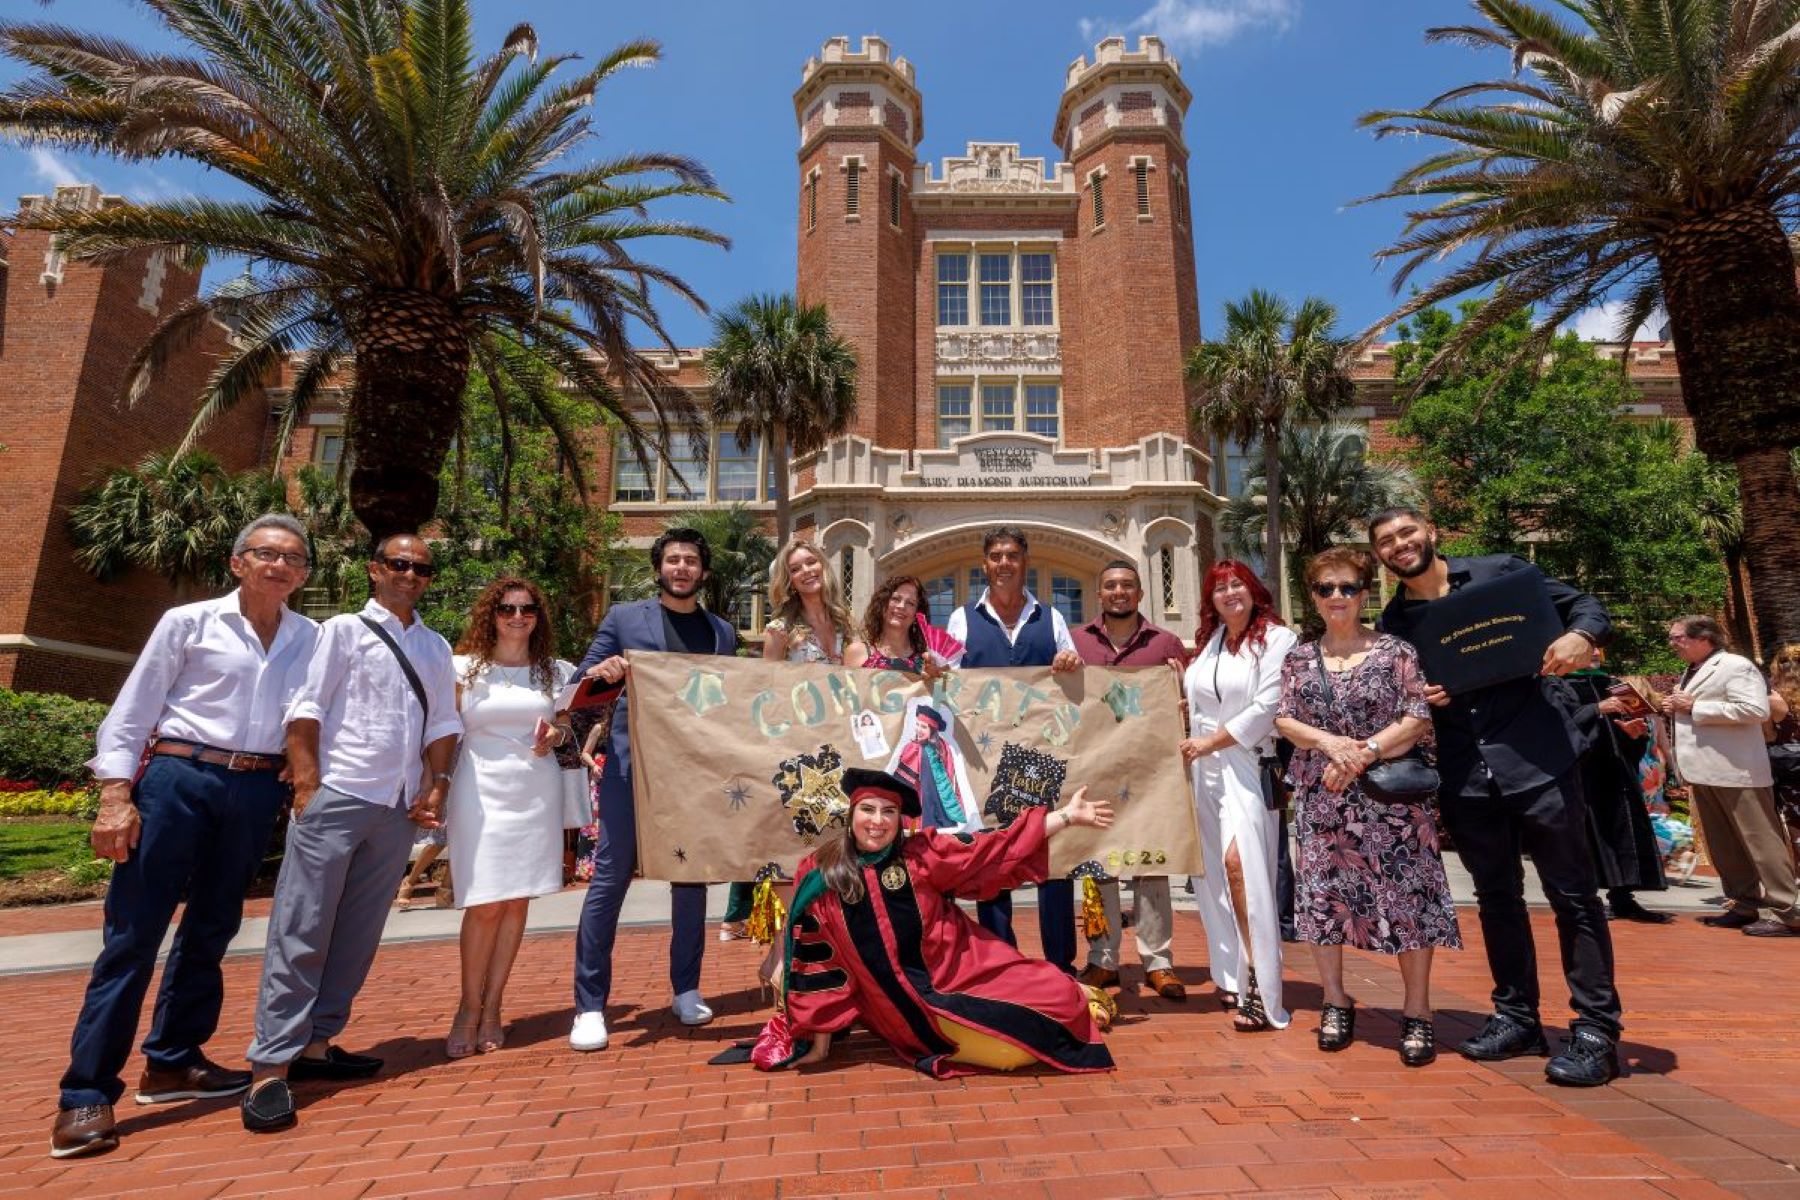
(907, 955)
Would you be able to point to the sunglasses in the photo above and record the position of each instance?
(1326, 591)
(267, 554)
(401, 566)
(517, 610)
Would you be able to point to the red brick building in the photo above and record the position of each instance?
(1020, 326)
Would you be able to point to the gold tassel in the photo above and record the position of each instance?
(767, 915)
(1093, 912)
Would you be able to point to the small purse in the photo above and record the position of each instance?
(1409, 779)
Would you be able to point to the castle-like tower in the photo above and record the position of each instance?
(1020, 327)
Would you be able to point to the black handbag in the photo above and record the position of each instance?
(1409, 779)
(1784, 761)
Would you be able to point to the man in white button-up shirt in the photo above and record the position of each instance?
(371, 758)
(202, 713)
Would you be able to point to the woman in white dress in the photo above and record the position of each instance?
(810, 622)
(504, 817)
(1233, 688)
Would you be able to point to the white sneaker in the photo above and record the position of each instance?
(690, 1009)
(588, 1032)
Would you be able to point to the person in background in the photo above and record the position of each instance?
(1370, 872)
(202, 714)
(1782, 732)
(1233, 686)
(1718, 710)
(1006, 626)
(1509, 756)
(673, 622)
(505, 814)
(1626, 859)
(1121, 637)
(370, 737)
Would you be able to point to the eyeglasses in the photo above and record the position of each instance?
(268, 554)
(1326, 591)
(517, 610)
(401, 566)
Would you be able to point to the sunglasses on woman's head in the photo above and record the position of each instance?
(401, 566)
(1326, 591)
(516, 610)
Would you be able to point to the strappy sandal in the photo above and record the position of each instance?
(1337, 1027)
(461, 1042)
(490, 1036)
(1227, 1000)
(1418, 1042)
(1251, 1017)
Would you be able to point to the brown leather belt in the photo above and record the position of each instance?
(231, 760)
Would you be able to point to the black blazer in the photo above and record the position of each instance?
(1522, 731)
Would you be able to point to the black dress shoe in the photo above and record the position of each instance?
(1731, 918)
(1631, 910)
(337, 1063)
(1503, 1038)
(268, 1107)
(85, 1130)
(1588, 1060)
(1337, 1027)
(1418, 1042)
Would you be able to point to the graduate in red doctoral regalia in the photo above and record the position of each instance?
(876, 936)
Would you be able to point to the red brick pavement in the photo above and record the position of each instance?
(1711, 1106)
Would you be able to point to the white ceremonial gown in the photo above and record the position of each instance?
(1240, 692)
(504, 817)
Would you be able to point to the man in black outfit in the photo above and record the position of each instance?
(1509, 757)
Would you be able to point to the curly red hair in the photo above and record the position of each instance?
(1262, 607)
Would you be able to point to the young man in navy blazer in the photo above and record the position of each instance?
(673, 621)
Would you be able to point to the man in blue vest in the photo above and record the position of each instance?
(1006, 626)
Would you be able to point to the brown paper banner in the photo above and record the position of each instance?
(708, 735)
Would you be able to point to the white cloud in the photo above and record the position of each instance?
(52, 168)
(1196, 24)
(1601, 323)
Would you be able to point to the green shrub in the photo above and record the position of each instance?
(90, 871)
(46, 739)
(39, 802)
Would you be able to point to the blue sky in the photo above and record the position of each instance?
(1275, 153)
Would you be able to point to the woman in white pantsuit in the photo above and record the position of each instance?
(504, 819)
(1233, 686)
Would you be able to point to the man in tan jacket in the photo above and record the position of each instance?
(1718, 712)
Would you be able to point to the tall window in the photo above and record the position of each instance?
(328, 453)
(1181, 196)
(996, 289)
(1065, 597)
(812, 201)
(685, 460)
(940, 599)
(1042, 415)
(1097, 186)
(998, 402)
(630, 480)
(894, 199)
(847, 572)
(852, 186)
(1165, 561)
(953, 289)
(954, 401)
(1037, 289)
(737, 468)
(1140, 171)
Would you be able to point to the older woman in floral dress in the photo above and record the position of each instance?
(1370, 874)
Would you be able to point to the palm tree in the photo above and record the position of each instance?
(1276, 365)
(780, 372)
(413, 212)
(174, 514)
(1720, 514)
(1647, 151)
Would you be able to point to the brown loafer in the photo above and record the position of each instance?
(1096, 976)
(1164, 984)
(199, 1080)
(85, 1130)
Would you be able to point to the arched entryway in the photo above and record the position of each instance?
(1065, 567)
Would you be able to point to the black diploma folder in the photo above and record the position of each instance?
(1488, 632)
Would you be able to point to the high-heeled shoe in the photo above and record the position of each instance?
(491, 1035)
(461, 1041)
(1418, 1041)
(1337, 1027)
(1251, 1016)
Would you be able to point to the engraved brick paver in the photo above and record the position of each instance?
(1710, 1108)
